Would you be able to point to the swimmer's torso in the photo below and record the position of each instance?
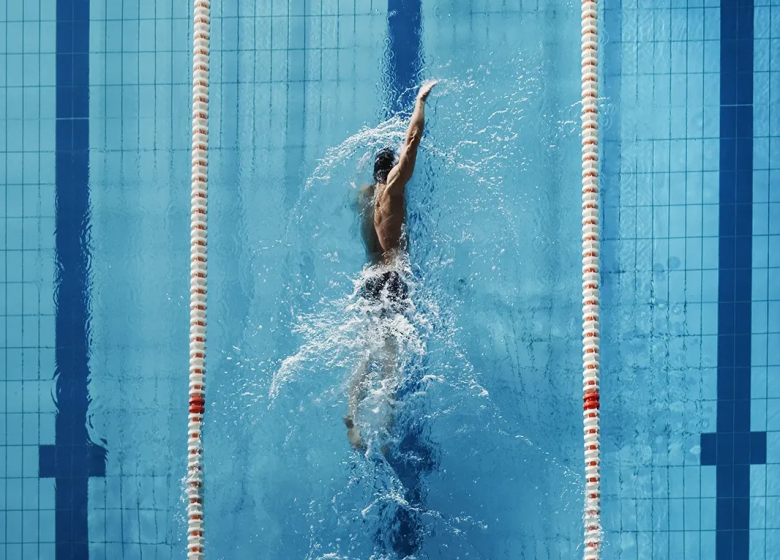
(389, 218)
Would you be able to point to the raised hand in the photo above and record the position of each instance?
(425, 90)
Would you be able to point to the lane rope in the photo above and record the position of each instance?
(590, 280)
(198, 269)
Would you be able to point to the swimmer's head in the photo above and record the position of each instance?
(383, 163)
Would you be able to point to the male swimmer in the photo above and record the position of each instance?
(384, 217)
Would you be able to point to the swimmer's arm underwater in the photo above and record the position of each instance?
(403, 170)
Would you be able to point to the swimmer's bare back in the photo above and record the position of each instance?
(390, 209)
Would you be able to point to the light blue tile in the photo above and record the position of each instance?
(759, 384)
(30, 527)
(29, 368)
(114, 526)
(710, 222)
(147, 526)
(761, 55)
(14, 36)
(98, 550)
(677, 221)
(774, 217)
(760, 251)
(679, 90)
(30, 461)
(29, 398)
(692, 544)
(14, 363)
(14, 429)
(773, 321)
(677, 256)
(695, 25)
(113, 11)
(47, 526)
(772, 539)
(695, 62)
(30, 233)
(692, 481)
(774, 25)
(30, 429)
(773, 382)
(675, 159)
(30, 189)
(761, 186)
(13, 394)
(774, 54)
(47, 141)
(773, 251)
(47, 425)
(694, 187)
(771, 486)
(97, 493)
(692, 514)
(757, 544)
(46, 493)
(644, 545)
(13, 550)
(694, 156)
(773, 512)
(660, 220)
(758, 415)
(759, 350)
(773, 353)
(130, 9)
(711, 64)
(14, 199)
(14, 493)
(662, 543)
(46, 551)
(14, 454)
(13, 274)
(759, 316)
(761, 22)
(761, 153)
(644, 515)
(113, 73)
(46, 328)
(130, 73)
(31, 135)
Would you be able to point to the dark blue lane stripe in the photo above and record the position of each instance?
(404, 32)
(733, 447)
(73, 457)
(413, 457)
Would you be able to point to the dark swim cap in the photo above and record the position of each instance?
(383, 163)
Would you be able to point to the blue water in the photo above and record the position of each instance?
(485, 459)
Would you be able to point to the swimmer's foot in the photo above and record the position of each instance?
(353, 433)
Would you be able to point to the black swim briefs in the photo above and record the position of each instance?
(389, 282)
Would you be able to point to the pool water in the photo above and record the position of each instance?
(484, 458)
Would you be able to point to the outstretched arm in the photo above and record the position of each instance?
(405, 166)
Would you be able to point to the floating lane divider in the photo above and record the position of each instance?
(198, 267)
(590, 279)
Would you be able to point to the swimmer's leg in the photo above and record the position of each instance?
(391, 380)
(357, 386)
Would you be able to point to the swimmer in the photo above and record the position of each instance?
(383, 214)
